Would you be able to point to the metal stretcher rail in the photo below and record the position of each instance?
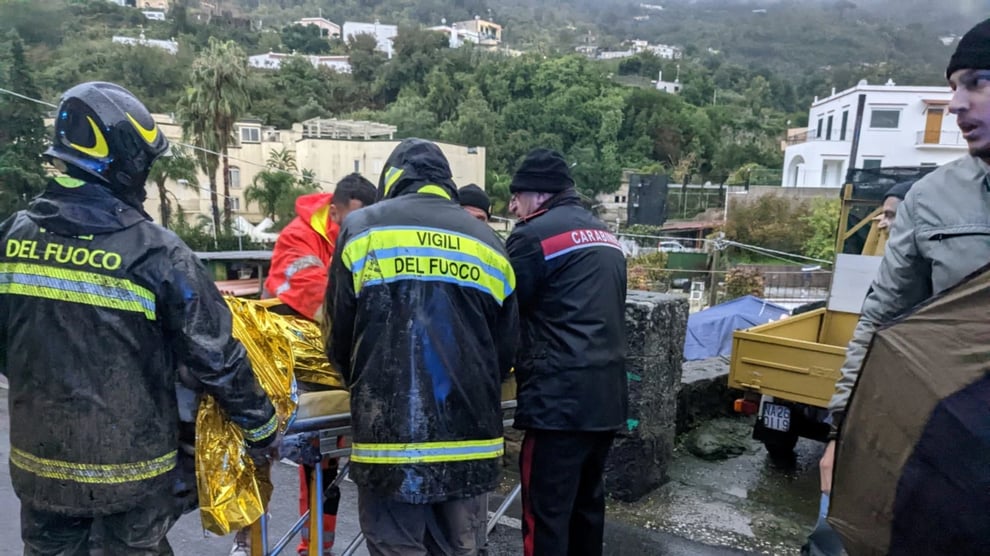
(336, 426)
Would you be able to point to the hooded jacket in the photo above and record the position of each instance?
(302, 254)
(422, 323)
(98, 308)
(941, 235)
(571, 276)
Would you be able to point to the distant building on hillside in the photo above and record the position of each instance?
(489, 33)
(902, 126)
(384, 34)
(327, 28)
(672, 87)
(274, 60)
(171, 46)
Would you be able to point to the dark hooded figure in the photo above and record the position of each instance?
(421, 321)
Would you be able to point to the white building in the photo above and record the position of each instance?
(171, 46)
(665, 51)
(274, 60)
(327, 27)
(672, 87)
(615, 54)
(384, 34)
(154, 15)
(901, 126)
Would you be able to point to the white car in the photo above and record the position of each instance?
(670, 247)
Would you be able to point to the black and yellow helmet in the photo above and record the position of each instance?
(103, 133)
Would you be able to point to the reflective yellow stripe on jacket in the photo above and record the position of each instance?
(92, 473)
(394, 253)
(427, 452)
(76, 286)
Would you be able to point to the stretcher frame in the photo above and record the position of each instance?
(338, 425)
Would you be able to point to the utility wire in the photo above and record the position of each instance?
(193, 147)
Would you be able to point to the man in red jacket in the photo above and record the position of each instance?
(302, 254)
(298, 277)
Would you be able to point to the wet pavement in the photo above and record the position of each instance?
(742, 505)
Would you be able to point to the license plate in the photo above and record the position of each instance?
(776, 417)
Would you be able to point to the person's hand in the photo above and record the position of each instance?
(826, 466)
(262, 455)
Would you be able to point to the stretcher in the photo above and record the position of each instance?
(328, 413)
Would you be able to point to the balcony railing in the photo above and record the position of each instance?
(798, 138)
(940, 138)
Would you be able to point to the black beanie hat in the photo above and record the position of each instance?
(544, 171)
(899, 190)
(473, 196)
(973, 51)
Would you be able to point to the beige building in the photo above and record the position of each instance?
(330, 148)
(489, 33)
(162, 5)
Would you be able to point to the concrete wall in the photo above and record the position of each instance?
(655, 328)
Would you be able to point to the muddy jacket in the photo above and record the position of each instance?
(422, 323)
(571, 283)
(941, 235)
(301, 256)
(98, 306)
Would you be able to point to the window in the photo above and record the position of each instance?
(617, 198)
(884, 118)
(818, 134)
(828, 128)
(357, 166)
(871, 163)
(235, 177)
(250, 135)
(235, 203)
(928, 164)
(843, 126)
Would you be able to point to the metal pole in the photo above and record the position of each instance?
(854, 152)
(504, 507)
(316, 511)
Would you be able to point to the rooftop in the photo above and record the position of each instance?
(332, 128)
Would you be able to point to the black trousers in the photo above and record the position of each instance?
(138, 532)
(563, 492)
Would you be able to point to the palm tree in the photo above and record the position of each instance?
(178, 167)
(282, 159)
(215, 99)
(268, 188)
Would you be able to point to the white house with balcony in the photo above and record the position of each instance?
(384, 34)
(902, 126)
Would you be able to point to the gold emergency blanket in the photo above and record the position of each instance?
(230, 494)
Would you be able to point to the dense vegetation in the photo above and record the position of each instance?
(746, 76)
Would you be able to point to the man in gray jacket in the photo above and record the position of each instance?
(941, 233)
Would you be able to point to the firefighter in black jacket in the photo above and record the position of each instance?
(422, 323)
(98, 308)
(571, 284)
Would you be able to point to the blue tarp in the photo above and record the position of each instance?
(709, 332)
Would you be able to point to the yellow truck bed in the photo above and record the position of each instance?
(796, 358)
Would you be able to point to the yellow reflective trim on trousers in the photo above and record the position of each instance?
(390, 254)
(391, 177)
(114, 473)
(76, 286)
(427, 452)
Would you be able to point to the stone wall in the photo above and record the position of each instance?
(655, 328)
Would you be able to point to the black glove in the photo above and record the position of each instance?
(267, 450)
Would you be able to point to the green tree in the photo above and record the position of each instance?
(366, 61)
(305, 39)
(215, 99)
(770, 221)
(268, 188)
(823, 220)
(474, 124)
(22, 133)
(178, 167)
